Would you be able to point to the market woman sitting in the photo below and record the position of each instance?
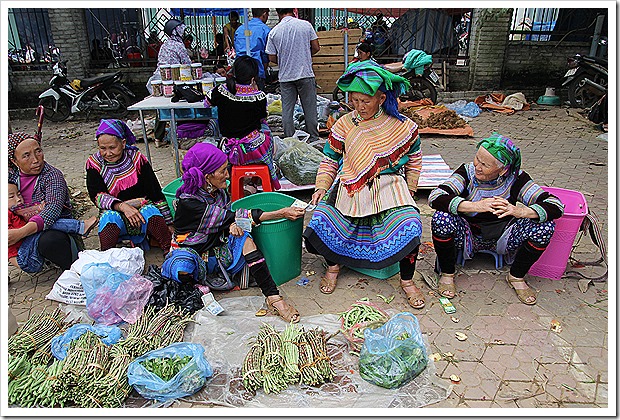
(121, 183)
(477, 210)
(367, 217)
(205, 223)
(45, 193)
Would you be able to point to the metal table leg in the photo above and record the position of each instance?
(175, 142)
(146, 140)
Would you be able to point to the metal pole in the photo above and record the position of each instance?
(247, 32)
(597, 34)
(175, 141)
(146, 140)
(346, 48)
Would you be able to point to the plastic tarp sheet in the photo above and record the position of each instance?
(234, 328)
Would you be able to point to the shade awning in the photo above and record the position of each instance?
(205, 12)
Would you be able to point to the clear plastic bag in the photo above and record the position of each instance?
(130, 297)
(300, 163)
(393, 354)
(190, 379)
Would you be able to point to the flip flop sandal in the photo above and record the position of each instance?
(329, 285)
(289, 314)
(522, 294)
(413, 297)
(442, 288)
(87, 232)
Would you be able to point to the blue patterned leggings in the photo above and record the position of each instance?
(446, 225)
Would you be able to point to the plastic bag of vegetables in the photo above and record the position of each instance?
(300, 162)
(176, 371)
(393, 354)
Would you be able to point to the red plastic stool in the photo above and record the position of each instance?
(240, 172)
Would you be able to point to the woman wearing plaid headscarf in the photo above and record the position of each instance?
(477, 210)
(121, 183)
(367, 218)
(40, 184)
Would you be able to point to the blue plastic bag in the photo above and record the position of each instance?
(190, 379)
(464, 108)
(100, 281)
(394, 353)
(61, 343)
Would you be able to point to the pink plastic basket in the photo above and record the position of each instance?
(552, 263)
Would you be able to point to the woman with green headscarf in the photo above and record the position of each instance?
(477, 210)
(366, 216)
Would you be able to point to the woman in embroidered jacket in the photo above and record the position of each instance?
(242, 111)
(40, 184)
(121, 182)
(477, 210)
(205, 223)
(368, 218)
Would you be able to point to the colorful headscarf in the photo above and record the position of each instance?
(118, 129)
(200, 160)
(366, 77)
(14, 140)
(504, 150)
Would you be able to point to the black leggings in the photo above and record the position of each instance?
(55, 246)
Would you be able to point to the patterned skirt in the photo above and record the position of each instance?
(374, 242)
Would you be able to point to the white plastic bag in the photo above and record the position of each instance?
(68, 288)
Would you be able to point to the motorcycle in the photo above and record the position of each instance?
(422, 86)
(102, 93)
(586, 80)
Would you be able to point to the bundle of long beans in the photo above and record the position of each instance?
(25, 389)
(310, 373)
(318, 343)
(251, 373)
(37, 331)
(113, 389)
(18, 366)
(43, 355)
(290, 352)
(153, 330)
(272, 363)
(45, 396)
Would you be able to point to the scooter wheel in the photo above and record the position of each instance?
(59, 114)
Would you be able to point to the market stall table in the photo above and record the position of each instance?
(170, 111)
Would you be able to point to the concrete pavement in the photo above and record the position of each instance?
(512, 357)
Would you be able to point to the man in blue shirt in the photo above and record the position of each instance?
(258, 40)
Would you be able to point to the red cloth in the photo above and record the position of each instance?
(15, 222)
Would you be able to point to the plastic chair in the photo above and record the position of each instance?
(238, 173)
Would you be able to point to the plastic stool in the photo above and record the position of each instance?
(241, 172)
(499, 259)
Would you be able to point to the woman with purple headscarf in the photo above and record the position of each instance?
(122, 184)
(477, 210)
(205, 222)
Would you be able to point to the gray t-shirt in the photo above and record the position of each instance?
(290, 41)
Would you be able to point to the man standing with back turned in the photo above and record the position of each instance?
(291, 45)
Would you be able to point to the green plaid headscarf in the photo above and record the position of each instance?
(504, 150)
(366, 78)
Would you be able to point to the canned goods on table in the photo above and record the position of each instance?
(207, 85)
(165, 71)
(186, 72)
(196, 71)
(176, 72)
(157, 87)
(168, 88)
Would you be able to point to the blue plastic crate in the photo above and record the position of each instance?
(186, 114)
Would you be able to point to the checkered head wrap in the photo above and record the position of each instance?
(504, 150)
(14, 140)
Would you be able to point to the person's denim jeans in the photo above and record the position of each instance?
(306, 90)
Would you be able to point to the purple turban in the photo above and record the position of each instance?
(118, 129)
(200, 160)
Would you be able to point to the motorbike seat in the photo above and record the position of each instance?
(84, 83)
(597, 60)
(394, 67)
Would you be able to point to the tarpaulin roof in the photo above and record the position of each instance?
(205, 12)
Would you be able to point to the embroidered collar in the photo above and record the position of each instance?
(357, 118)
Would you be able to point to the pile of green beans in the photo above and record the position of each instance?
(37, 331)
(294, 356)
(360, 316)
